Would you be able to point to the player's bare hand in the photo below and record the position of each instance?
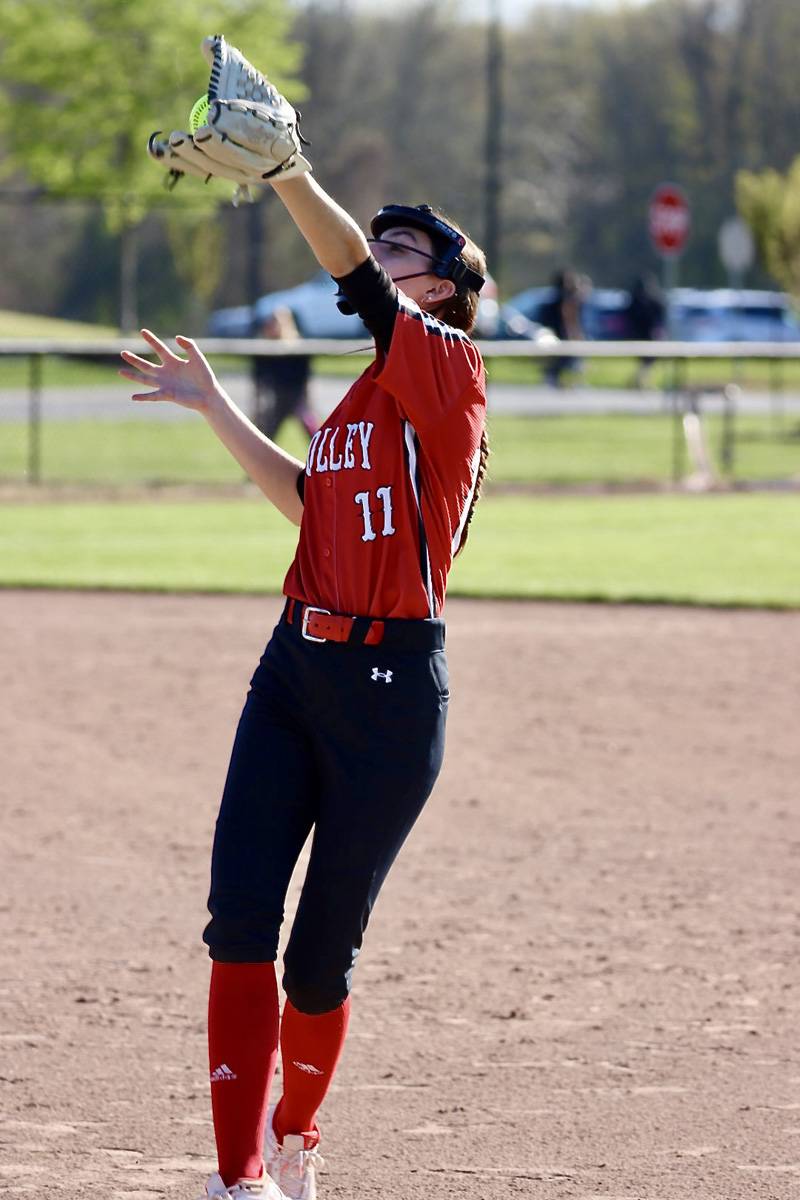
(188, 381)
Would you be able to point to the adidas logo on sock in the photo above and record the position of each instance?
(222, 1072)
(308, 1068)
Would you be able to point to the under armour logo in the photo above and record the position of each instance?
(386, 676)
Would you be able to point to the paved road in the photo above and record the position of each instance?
(112, 402)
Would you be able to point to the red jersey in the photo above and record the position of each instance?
(391, 475)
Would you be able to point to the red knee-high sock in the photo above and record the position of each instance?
(243, 1020)
(311, 1046)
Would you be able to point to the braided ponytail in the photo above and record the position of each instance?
(461, 311)
(483, 463)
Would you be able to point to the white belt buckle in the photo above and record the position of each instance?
(309, 609)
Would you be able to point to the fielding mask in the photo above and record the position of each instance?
(448, 243)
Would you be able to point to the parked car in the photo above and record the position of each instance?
(602, 311)
(231, 322)
(725, 315)
(695, 314)
(313, 306)
(604, 314)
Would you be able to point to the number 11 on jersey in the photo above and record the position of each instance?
(384, 495)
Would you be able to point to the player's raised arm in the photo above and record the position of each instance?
(191, 383)
(337, 242)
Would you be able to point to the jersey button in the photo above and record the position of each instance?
(326, 553)
(328, 481)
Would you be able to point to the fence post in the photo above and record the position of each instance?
(677, 425)
(776, 405)
(35, 418)
(730, 395)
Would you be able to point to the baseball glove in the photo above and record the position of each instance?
(251, 135)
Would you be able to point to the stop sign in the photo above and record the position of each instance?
(669, 219)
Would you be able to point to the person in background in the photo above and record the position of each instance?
(562, 314)
(280, 383)
(646, 317)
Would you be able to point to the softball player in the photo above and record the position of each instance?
(342, 731)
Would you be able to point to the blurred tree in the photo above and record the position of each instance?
(550, 141)
(770, 203)
(85, 84)
(41, 244)
(395, 109)
(772, 114)
(642, 129)
(601, 105)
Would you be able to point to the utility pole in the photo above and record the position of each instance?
(494, 143)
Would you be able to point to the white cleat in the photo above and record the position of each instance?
(264, 1188)
(291, 1166)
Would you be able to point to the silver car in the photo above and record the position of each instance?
(727, 315)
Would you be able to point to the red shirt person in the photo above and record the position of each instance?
(342, 732)
(390, 476)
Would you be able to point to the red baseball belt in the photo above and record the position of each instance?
(321, 625)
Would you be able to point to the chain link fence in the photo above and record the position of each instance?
(726, 415)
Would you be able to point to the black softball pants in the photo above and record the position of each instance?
(344, 739)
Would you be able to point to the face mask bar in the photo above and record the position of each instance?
(448, 264)
(382, 241)
(343, 304)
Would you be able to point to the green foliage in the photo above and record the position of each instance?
(85, 84)
(198, 245)
(600, 104)
(770, 203)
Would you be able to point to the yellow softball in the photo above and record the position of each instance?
(199, 114)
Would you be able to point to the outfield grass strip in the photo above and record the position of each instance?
(717, 550)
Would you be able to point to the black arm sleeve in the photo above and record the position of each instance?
(374, 297)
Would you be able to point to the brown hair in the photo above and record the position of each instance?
(461, 310)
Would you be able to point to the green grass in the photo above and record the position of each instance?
(128, 452)
(620, 449)
(14, 372)
(32, 325)
(61, 372)
(713, 550)
(241, 545)
(601, 373)
(56, 372)
(756, 374)
(534, 450)
(67, 371)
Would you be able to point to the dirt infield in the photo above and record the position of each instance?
(581, 979)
